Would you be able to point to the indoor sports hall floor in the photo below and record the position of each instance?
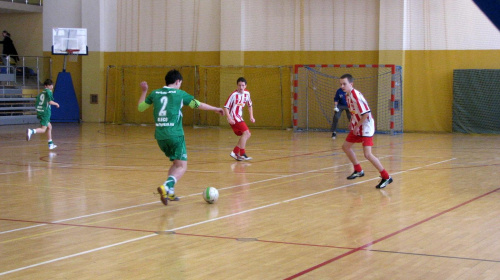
(87, 210)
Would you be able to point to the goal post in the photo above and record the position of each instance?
(314, 88)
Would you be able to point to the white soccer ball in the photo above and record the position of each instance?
(210, 195)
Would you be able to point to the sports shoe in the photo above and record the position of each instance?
(334, 135)
(236, 157)
(355, 175)
(29, 132)
(163, 194)
(245, 157)
(52, 146)
(383, 183)
(173, 197)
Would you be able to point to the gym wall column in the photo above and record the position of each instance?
(392, 30)
(93, 72)
(231, 47)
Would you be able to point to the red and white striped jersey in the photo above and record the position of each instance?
(358, 106)
(235, 103)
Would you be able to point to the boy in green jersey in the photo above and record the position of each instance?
(43, 101)
(167, 104)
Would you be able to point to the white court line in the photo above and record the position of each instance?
(80, 217)
(140, 205)
(207, 221)
(77, 254)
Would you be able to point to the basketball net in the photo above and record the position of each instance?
(72, 55)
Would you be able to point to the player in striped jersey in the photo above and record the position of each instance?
(234, 113)
(362, 128)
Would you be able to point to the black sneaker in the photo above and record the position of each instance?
(355, 175)
(383, 183)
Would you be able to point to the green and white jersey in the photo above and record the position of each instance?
(167, 103)
(42, 101)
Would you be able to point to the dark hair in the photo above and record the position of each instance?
(47, 82)
(5, 31)
(348, 76)
(172, 77)
(241, 79)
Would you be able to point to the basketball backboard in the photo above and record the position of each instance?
(64, 39)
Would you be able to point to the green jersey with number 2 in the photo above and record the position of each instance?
(167, 103)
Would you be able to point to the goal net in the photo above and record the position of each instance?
(315, 87)
(269, 87)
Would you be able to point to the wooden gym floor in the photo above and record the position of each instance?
(87, 209)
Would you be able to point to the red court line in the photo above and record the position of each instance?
(388, 236)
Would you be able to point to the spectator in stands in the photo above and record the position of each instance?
(8, 48)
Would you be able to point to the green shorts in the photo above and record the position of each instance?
(44, 118)
(174, 148)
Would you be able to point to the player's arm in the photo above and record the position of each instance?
(142, 105)
(195, 104)
(229, 118)
(54, 103)
(362, 120)
(250, 112)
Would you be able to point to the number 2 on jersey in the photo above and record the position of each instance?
(163, 110)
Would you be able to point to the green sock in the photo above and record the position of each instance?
(169, 184)
(50, 142)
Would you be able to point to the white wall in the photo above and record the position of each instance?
(60, 13)
(278, 25)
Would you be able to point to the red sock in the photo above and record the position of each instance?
(236, 150)
(357, 168)
(242, 152)
(384, 174)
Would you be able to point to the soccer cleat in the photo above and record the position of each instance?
(236, 157)
(383, 183)
(245, 157)
(355, 175)
(163, 194)
(28, 134)
(52, 146)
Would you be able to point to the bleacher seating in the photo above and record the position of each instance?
(15, 108)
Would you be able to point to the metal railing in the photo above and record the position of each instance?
(27, 2)
(28, 72)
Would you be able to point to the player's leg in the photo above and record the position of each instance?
(348, 113)
(241, 130)
(335, 121)
(49, 137)
(43, 123)
(243, 142)
(175, 173)
(386, 179)
(175, 150)
(351, 139)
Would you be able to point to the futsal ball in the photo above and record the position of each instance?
(210, 195)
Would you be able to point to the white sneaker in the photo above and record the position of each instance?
(28, 134)
(52, 146)
(236, 157)
(245, 157)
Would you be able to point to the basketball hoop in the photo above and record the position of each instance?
(73, 55)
